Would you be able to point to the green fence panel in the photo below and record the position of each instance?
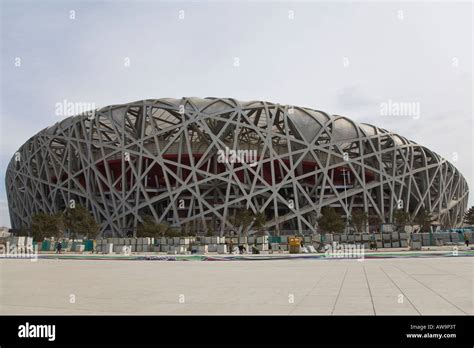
(89, 245)
(45, 245)
(274, 239)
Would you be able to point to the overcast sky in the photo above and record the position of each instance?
(343, 58)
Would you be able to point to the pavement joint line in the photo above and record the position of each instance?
(401, 291)
(314, 287)
(340, 290)
(370, 291)
(427, 287)
(442, 270)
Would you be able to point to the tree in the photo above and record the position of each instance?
(469, 216)
(162, 229)
(186, 230)
(79, 221)
(210, 232)
(401, 218)
(171, 232)
(149, 228)
(22, 232)
(424, 219)
(45, 225)
(259, 223)
(330, 221)
(375, 220)
(359, 220)
(243, 218)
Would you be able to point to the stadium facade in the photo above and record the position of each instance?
(193, 163)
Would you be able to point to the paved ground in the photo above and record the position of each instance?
(410, 286)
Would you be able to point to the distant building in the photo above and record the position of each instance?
(4, 231)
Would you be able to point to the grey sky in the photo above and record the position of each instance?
(426, 58)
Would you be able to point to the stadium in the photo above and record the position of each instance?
(194, 163)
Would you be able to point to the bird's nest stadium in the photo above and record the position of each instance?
(193, 163)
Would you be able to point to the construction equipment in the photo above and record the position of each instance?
(294, 244)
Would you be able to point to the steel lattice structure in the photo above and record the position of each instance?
(160, 158)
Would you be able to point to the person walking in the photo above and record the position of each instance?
(466, 239)
(59, 246)
(373, 242)
(242, 249)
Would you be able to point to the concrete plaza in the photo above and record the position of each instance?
(411, 286)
